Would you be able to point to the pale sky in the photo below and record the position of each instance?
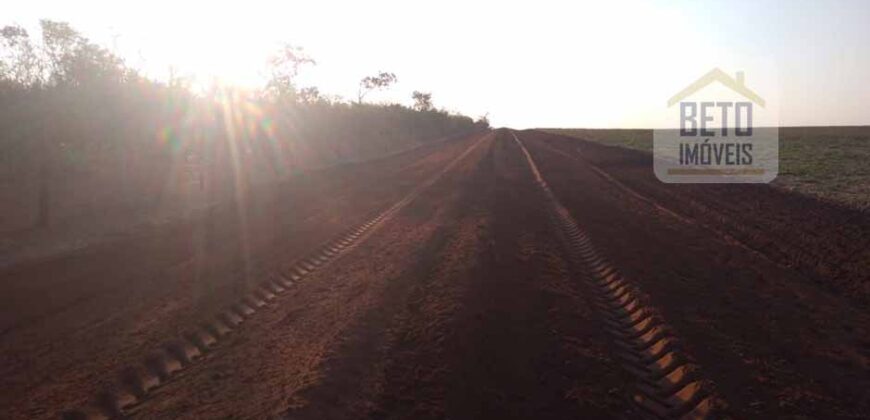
(527, 64)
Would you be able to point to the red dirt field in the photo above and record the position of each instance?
(71, 323)
(828, 243)
(457, 297)
(765, 289)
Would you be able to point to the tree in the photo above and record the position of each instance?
(422, 101)
(65, 58)
(72, 60)
(285, 67)
(369, 83)
(60, 44)
(20, 63)
(309, 94)
(483, 121)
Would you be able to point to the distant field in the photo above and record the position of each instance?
(828, 162)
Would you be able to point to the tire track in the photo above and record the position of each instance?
(689, 220)
(136, 383)
(668, 384)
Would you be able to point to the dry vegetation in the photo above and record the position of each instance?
(826, 162)
(85, 140)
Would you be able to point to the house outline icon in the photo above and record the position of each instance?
(716, 75)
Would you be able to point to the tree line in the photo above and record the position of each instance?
(82, 132)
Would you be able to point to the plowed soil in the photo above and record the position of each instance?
(765, 289)
(463, 304)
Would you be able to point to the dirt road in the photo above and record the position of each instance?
(502, 275)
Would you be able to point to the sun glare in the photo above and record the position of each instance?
(621, 58)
